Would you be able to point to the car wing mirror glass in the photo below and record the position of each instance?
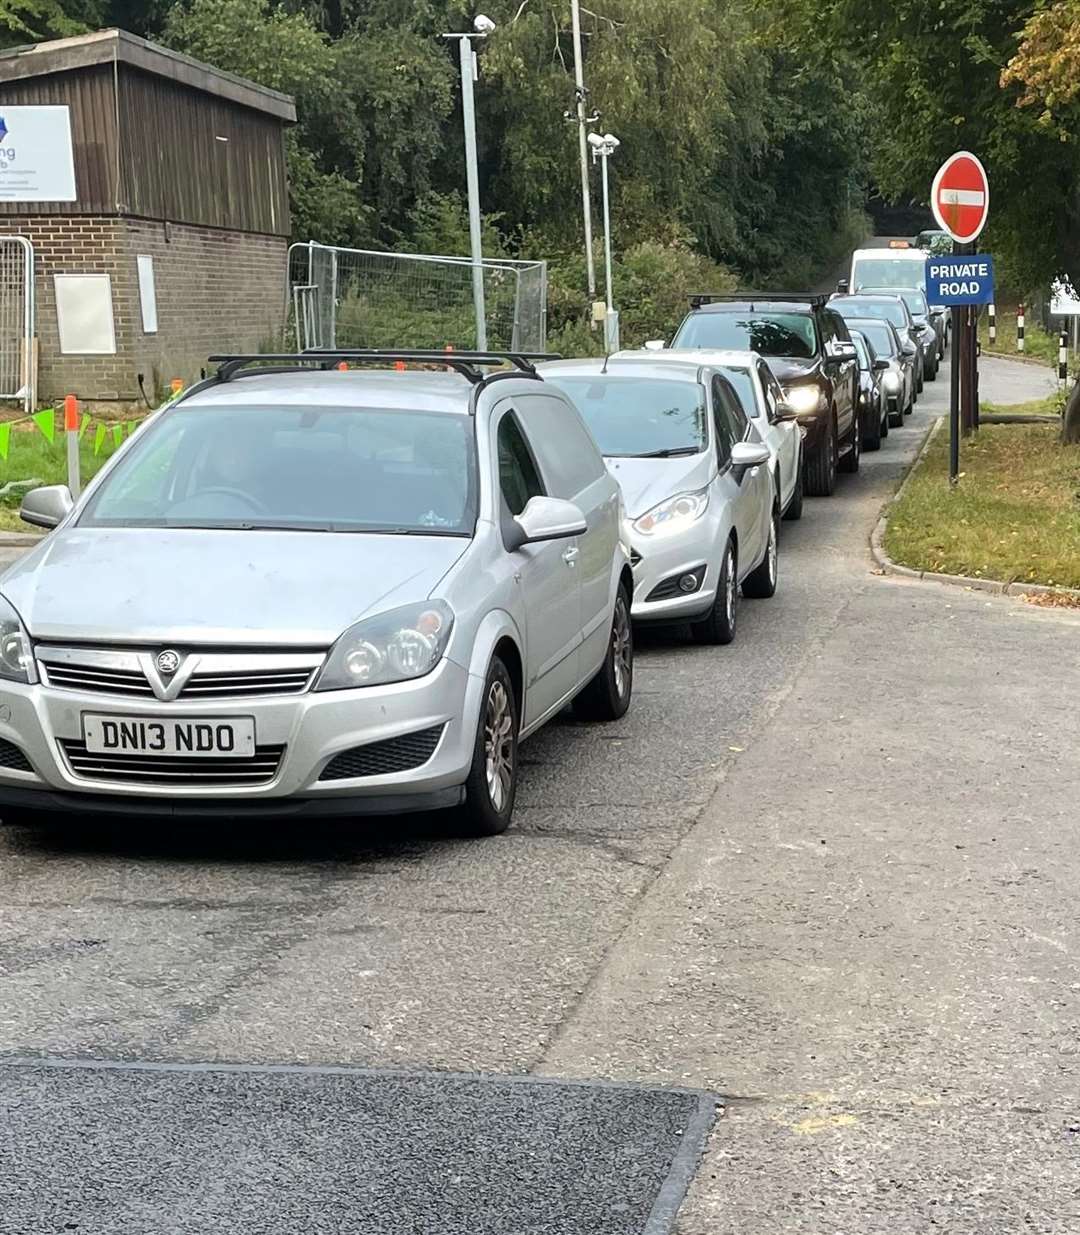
(880, 365)
(547, 518)
(47, 506)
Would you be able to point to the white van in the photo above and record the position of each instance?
(901, 268)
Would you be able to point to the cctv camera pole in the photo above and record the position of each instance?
(468, 75)
(583, 150)
(603, 148)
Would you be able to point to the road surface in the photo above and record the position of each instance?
(827, 873)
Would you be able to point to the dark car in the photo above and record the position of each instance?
(809, 349)
(898, 380)
(929, 324)
(891, 307)
(873, 403)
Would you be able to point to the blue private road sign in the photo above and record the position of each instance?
(959, 279)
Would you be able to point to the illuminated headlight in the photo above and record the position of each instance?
(397, 646)
(803, 398)
(674, 514)
(16, 655)
(891, 381)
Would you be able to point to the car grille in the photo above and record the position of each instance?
(165, 770)
(411, 750)
(217, 675)
(12, 758)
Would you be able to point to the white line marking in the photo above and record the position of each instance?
(961, 197)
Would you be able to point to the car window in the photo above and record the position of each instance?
(744, 382)
(887, 272)
(774, 396)
(860, 350)
(338, 469)
(519, 479)
(828, 327)
(888, 310)
(881, 335)
(763, 331)
(731, 421)
(631, 417)
(568, 457)
(839, 326)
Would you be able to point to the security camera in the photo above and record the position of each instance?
(596, 141)
(483, 24)
(612, 141)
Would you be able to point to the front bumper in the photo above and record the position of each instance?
(668, 559)
(311, 728)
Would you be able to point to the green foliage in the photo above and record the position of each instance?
(27, 21)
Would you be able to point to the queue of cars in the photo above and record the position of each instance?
(313, 585)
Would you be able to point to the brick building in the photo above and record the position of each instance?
(181, 200)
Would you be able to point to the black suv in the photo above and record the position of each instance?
(808, 347)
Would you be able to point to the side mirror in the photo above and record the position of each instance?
(880, 365)
(46, 507)
(748, 454)
(910, 349)
(919, 327)
(843, 286)
(839, 350)
(784, 412)
(655, 345)
(545, 518)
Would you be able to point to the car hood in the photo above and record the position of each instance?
(789, 369)
(128, 585)
(645, 483)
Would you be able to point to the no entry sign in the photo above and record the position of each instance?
(960, 196)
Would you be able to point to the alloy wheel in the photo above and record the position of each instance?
(622, 648)
(730, 586)
(499, 745)
(774, 530)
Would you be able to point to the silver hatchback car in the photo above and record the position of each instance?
(300, 591)
(696, 478)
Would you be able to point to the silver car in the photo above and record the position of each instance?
(312, 592)
(704, 516)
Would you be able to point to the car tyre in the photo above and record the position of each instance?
(718, 625)
(607, 696)
(794, 507)
(871, 440)
(849, 464)
(896, 416)
(884, 405)
(821, 466)
(492, 782)
(760, 583)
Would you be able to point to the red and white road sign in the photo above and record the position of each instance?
(960, 196)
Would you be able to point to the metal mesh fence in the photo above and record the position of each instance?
(362, 298)
(16, 320)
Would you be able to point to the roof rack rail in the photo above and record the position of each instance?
(465, 363)
(817, 299)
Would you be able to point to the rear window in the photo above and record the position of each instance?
(879, 335)
(887, 310)
(767, 333)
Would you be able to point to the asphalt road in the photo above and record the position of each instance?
(826, 871)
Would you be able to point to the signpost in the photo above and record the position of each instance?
(960, 200)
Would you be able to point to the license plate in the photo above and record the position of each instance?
(194, 737)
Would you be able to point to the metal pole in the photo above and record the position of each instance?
(607, 231)
(955, 362)
(583, 149)
(473, 181)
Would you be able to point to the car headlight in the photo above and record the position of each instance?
(395, 646)
(674, 514)
(16, 654)
(803, 398)
(891, 381)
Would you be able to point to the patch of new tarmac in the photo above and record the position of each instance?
(120, 1149)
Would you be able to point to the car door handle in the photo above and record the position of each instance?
(570, 556)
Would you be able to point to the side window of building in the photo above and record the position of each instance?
(518, 476)
(568, 456)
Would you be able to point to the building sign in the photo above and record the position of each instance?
(36, 160)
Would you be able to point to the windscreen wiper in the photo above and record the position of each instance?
(670, 453)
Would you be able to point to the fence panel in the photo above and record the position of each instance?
(17, 320)
(362, 298)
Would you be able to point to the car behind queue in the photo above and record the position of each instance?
(775, 421)
(703, 516)
(898, 380)
(873, 401)
(889, 307)
(930, 327)
(309, 593)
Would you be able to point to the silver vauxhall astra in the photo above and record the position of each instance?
(313, 592)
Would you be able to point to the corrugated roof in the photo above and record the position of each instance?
(109, 46)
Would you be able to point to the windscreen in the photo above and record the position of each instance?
(879, 334)
(768, 334)
(321, 469)
(912, 297)
(887, 272)
(638, 417)
(887, 310)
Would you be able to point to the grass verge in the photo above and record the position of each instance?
(1015, 515)
(1037, 343)
(31, 456)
